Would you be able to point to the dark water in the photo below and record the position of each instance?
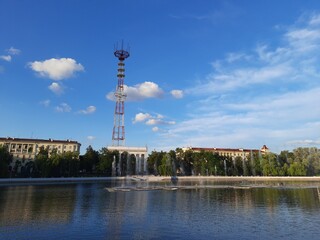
(89, 211)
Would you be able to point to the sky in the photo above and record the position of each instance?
(201, 73)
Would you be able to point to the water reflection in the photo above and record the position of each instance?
(82, 211)
(23, 204)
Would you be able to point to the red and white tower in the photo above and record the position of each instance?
(118, 133)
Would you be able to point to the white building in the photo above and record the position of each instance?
(25, 149)
(140, 153)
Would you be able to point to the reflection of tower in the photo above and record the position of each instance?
(118, 133)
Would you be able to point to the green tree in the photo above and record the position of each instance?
(42, 164)
(165, 168)
(187, 162)
(238, 166)
(154, 162)
(174, 162)
(89, 160)
(297, 169)
(69, 164)
(270, 165)
(5, 160)
(106, 158)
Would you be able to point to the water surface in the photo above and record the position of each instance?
(165, 210)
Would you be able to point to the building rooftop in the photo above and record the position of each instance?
(7, 139)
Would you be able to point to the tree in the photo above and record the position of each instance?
(42, 164)
(313, 162)
(187, 162)
(154, 162)
(132, 164)
(165, 168)
(238, 166)
(89, 160)
(106, 158)
(297, 169)
(69, 164)
(5, 160)
(270, 165)
(124, 163)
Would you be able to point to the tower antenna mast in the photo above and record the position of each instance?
(118, 133)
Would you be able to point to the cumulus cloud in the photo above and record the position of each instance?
(141, 117)
(88, 110)
(56, 88)
(13, 51)
(56, 69)
(63, 107)
(139, 92)
(6, 58)
(177, 93)
(45, 103)
(149, 119)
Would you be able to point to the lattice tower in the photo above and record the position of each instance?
(118, 133)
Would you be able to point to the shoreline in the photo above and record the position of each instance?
(68, 180)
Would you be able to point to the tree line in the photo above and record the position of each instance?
(299, 162)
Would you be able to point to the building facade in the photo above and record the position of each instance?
(25, 149)
(140, 153)
(231, 152)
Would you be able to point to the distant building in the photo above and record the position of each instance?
(230, 152)
(25, 149)
(140, 153)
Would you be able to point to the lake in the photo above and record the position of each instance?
(183, 209)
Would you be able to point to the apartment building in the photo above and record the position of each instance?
(26, 149)
(231, 152)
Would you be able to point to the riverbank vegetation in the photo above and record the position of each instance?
(299, 162)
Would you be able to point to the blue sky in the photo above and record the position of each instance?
(235, 74)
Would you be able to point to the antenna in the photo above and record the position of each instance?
(118, 133)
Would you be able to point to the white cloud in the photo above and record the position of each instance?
(45, 103)
(155, 129)
(293, 61)
(177, 93)
(141, 117)
(148, 119)
(305, 142)
(13, 51)
(154, 121)
(271, 120)
(88, 110)
(56, 88)
(91, 138)
(6, 58)
(232, 57)
(140, 92)
(63, 107)
(56, 69)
